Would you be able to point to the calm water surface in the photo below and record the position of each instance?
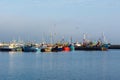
(77, 65)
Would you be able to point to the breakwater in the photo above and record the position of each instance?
(114, 46)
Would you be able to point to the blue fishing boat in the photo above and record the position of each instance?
(30, 48)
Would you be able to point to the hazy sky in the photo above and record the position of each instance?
(31, 19)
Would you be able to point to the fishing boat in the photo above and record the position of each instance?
(10, 47)
(88, 45)
(5, 49)
(57, 48)
(72, 47)
(46, 47)
(91, 48)
(30, 48)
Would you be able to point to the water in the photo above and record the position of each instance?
(77, 65)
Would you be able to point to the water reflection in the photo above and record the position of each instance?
(79, 65)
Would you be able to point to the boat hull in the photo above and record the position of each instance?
(6, 49)
(91, 48)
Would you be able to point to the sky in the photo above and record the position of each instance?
(38, 19)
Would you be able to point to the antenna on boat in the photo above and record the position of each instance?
(84, 37)
(43, 40)
(104, 38)
(54, 34)
(63, 39)
(71, 40)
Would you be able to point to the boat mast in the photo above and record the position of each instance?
(51, 38)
